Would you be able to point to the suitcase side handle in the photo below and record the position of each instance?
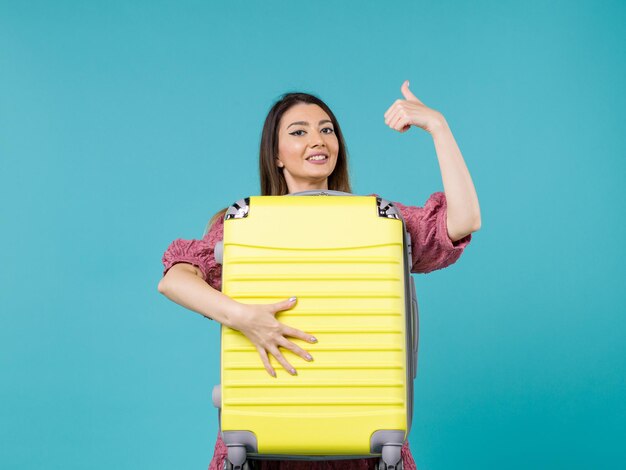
(415, 326)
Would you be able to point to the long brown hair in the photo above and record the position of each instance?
(272, 179)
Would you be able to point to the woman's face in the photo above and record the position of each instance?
(307, 147)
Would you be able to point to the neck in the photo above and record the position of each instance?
(299, 186)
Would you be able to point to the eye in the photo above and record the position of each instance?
(296, 133)
(328, 130)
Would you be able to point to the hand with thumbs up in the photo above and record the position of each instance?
(403, 114)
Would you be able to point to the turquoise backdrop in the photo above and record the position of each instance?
(127, 124)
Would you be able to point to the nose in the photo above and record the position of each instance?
(317, 139)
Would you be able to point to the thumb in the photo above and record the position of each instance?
(284, 304)
(407, 93)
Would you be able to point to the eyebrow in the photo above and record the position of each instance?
(304, 123)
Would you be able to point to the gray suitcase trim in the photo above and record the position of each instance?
(387, 209)
(239, 443)
(321, 192)
(389, 444)
(238, 210)
(243, 444)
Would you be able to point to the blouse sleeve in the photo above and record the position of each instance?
(200, 253)
(431, 245)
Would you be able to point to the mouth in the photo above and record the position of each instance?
(318, 157)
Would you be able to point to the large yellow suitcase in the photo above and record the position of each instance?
(347, 259)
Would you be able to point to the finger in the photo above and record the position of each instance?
(392, 107)
(294, 348)
(394, 122)
(403, 125)
(387, 112)
(283, 305)
(289, 331)
(266, 361)
(281, 359)
(393, 114)
(407, 93)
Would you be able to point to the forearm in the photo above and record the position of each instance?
(184, 286)
(463, 211)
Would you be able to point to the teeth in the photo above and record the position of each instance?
(317, 157)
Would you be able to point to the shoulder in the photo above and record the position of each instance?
(427, 226)
(215, 229)
(436, 203)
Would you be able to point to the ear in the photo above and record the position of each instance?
(279, 164)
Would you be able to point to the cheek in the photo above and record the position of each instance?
(289, 149)
(335, 149)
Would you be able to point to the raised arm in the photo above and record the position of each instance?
(463, 210)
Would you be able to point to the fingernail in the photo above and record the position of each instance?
(273, 374)
(292, 299)
(293, 372)
(309, 357)
(313, 339)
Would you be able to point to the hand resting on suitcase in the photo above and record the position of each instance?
(184, 284)
(259, 324)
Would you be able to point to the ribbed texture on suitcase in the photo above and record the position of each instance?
(348, 275)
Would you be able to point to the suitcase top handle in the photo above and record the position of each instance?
(321, 192)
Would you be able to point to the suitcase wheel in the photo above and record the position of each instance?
(247, 465)
(383, 466)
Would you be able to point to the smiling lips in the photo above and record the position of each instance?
(317, 158)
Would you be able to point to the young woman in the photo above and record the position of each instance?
(302, 148)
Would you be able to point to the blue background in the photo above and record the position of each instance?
(125, 125)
